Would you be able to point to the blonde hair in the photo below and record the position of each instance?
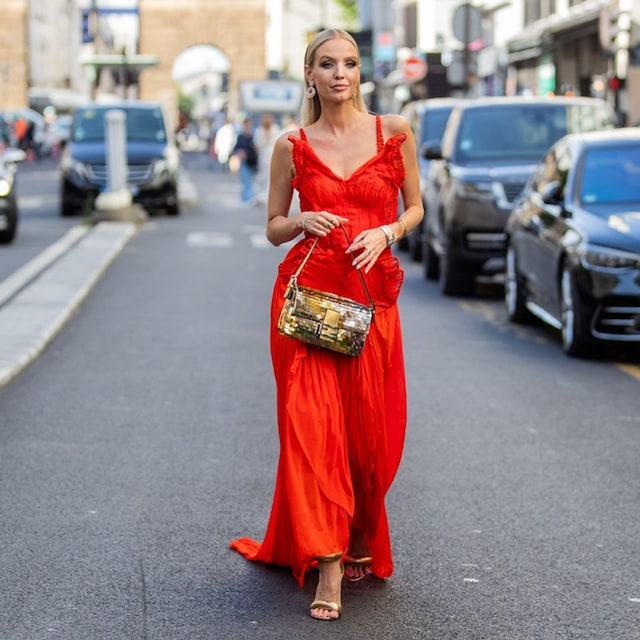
(311, 108)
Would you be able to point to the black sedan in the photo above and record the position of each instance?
(8, 205)
(573, 241)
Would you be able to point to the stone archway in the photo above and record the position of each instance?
(168, 28)
(201, 74)
(14, 74)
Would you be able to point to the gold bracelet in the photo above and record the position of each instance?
(404, 227)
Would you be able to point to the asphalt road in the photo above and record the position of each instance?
(143, 439)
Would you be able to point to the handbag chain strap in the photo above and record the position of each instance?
(306, 259)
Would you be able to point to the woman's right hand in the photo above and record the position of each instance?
(320, 223)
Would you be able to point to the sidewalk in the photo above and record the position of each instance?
(37, 301)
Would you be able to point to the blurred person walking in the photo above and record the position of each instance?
(246, 153)
(224, 142)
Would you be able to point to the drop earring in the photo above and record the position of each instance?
(310, 92)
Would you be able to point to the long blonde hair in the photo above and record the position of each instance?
(311, 108)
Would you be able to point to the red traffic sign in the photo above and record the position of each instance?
(414, 68)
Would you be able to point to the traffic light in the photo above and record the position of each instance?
(615, 83)
(615, 33)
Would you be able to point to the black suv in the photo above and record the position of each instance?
(427, 119)
(489, 150)
(153, 158)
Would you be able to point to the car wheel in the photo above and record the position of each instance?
(453, 281)
(173, 205)
(514, 297)
(67, 209)
(173, 209)
(431, 261)
(576, 339)
(415, 244)
(8, 233)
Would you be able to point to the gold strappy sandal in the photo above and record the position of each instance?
(326, 605)
(363, 564)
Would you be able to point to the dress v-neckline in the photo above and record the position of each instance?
(356, 171)
(380, 146)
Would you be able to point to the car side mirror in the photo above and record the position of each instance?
(432, 151)
(551, 193)
(11, 155)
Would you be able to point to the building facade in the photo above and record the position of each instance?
(556, 46)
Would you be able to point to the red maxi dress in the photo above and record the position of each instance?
(341, 419)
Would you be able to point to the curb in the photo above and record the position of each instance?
(31, 270)
(35, 315)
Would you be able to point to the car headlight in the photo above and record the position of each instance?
(606, 259)
(160, 166)
(69, 165)
(5, 188)
(475, 190)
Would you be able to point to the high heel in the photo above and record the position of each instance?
(361, 568)
(330, 558)
(319, 604)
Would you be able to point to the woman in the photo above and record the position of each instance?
(341, 419)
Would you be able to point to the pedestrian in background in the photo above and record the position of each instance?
(341, 419)
(264, 137)
(224, 142)
(245, 152)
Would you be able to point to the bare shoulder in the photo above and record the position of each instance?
(283, 143)
(393, 123)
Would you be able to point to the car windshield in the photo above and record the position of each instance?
(519, 132)
(143, 125)
(611, 176)
(433, 122)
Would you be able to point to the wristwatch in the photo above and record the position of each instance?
(386, 229)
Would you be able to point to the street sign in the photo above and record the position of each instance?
(414, 68)
(467, 23)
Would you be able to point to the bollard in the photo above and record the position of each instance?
(116, 201)
(116, 139)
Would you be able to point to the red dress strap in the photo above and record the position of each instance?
(379, 136)
(303, 135)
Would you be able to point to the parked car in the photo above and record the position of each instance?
(8, 204)
(59, 131)
(489, 149)
(153, 158)
(427, 119)
(573, 241)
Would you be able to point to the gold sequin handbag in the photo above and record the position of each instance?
(325, 319)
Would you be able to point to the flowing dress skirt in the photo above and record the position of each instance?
(341, 423)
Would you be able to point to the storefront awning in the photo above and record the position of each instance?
(530, 43)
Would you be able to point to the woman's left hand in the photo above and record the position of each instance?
(368, 245)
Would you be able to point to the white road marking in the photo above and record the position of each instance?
(259, 241)
(217, 239)
(34, 202)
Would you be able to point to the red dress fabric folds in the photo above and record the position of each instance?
(341, 419)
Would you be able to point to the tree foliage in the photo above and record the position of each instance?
(349, 10)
